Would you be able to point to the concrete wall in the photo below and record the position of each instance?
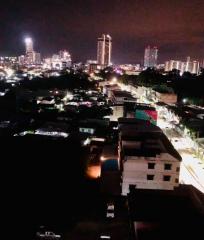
(118, 112)
(167, 98)
(135, 172)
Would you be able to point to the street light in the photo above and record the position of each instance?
(114, 80)
(185, 100)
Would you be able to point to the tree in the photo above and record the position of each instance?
(150, 77)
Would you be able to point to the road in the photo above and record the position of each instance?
(192, 168)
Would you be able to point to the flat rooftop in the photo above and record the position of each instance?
(131, 126)
(147, 144)
(144, 107)
(119, 93)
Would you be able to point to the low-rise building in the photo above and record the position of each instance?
(149, 161)
(117, 112)
(120, 97)
(168, 98)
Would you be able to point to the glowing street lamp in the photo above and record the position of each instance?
(114, 80)
(185, 100)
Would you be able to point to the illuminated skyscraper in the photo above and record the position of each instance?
(150, 57)
(104, 50)
(65, 55)
(29, 45)
(21, 60)
(196, 67)
(31, 57)
(192, 66)
(37, 58)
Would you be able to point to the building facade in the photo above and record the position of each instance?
(150, 57)
(31, 57)
(59, 61)
(188, 66)
(148, 159)
(104, 50)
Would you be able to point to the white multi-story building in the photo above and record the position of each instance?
(188, 66)
(58, 61)
(149, 161)
(120, 97)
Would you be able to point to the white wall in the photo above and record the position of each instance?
(135, 173)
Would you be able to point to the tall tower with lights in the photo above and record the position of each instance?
(29, 45)
(31, 57)
(150, 57)
(30, 54)
(104, 50)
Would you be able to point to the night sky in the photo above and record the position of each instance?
(175, 26)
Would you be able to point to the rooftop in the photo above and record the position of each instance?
(184, 203)
(132, 126)
(119, 93)
(145, 140)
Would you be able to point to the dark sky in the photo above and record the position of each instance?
(175, 26)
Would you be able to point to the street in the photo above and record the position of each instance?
(192, 168)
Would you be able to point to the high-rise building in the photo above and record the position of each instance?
(29, 45)
(202, 64)
(188, 59)
(188, 66)
(104, 50)
(167, 66)
(21, 60)
(150, 57)
(31, 57)
(37, 58)
(196, 67)
(64, 54)
(65, 58)
(192, 66)
(59, 61)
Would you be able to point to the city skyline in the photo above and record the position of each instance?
(102, 119)
(29, 43)
(132, 25)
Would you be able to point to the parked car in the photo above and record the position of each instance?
(48, 235)
(105, 236)
(110, 210)
(110, 206)
(110, 214)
